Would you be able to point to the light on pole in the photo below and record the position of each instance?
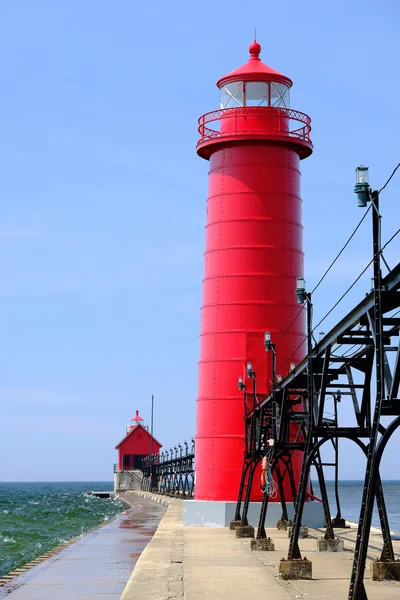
(362, 188)
(270, 347)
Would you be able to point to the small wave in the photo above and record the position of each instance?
(6, 512)
(7, 540)
(33, 502)
(38, 545)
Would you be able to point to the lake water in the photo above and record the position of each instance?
(36, 517)
(350, 493)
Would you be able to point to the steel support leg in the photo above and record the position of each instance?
(279, 477)
(241, 488)
(329, 534)
(248, 492)
(261, 533)
(387, 550)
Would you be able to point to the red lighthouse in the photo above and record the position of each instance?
(253, 255)
(132, 449)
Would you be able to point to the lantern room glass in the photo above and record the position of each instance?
(255, 93)
(362, 174)
(232, 95)
(279, 95)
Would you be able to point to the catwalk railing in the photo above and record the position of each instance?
(284, 121)
(171, 472)
(356, 364)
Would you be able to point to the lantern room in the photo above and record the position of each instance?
(254, 93)
(135, 421)
(254, 102)
(254, 84)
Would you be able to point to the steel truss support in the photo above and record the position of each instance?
(333, 373)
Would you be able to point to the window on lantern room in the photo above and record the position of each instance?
(279, 95)
(256, 93)
(232, 95)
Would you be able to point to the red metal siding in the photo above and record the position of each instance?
(252, 258)
(138, 443)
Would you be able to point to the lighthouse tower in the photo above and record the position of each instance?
(254, 144)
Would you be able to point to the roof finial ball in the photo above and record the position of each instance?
(255, 49)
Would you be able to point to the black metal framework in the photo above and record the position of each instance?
(333, 373)
(171, 472)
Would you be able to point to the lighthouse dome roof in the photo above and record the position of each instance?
(254, 70)
(137, 418)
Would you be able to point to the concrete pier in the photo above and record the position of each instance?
(97, 566)
(194, 563)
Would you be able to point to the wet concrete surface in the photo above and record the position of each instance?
(97, 566)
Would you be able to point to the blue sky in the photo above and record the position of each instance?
(103, 202)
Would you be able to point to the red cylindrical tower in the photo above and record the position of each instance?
(253, 255)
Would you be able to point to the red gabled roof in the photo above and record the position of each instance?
(133, 431)
(254, 70)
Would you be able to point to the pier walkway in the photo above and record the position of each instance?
(97, 566)
(194, 563)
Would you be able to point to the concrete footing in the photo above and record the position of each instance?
(245, 531)
(283, 525)
(263, 544)
(234, 524)
(127, 480)
(296, 568)
(386, 570)
(303, 533)
(339, 523)
(330, 545)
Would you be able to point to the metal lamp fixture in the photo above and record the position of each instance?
(301, 290)
(250, 369)
(267, 341)
(292, 366)
(321, 335)
(240, 384)
(362, 188)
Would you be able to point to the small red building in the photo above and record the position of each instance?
(136, 444)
